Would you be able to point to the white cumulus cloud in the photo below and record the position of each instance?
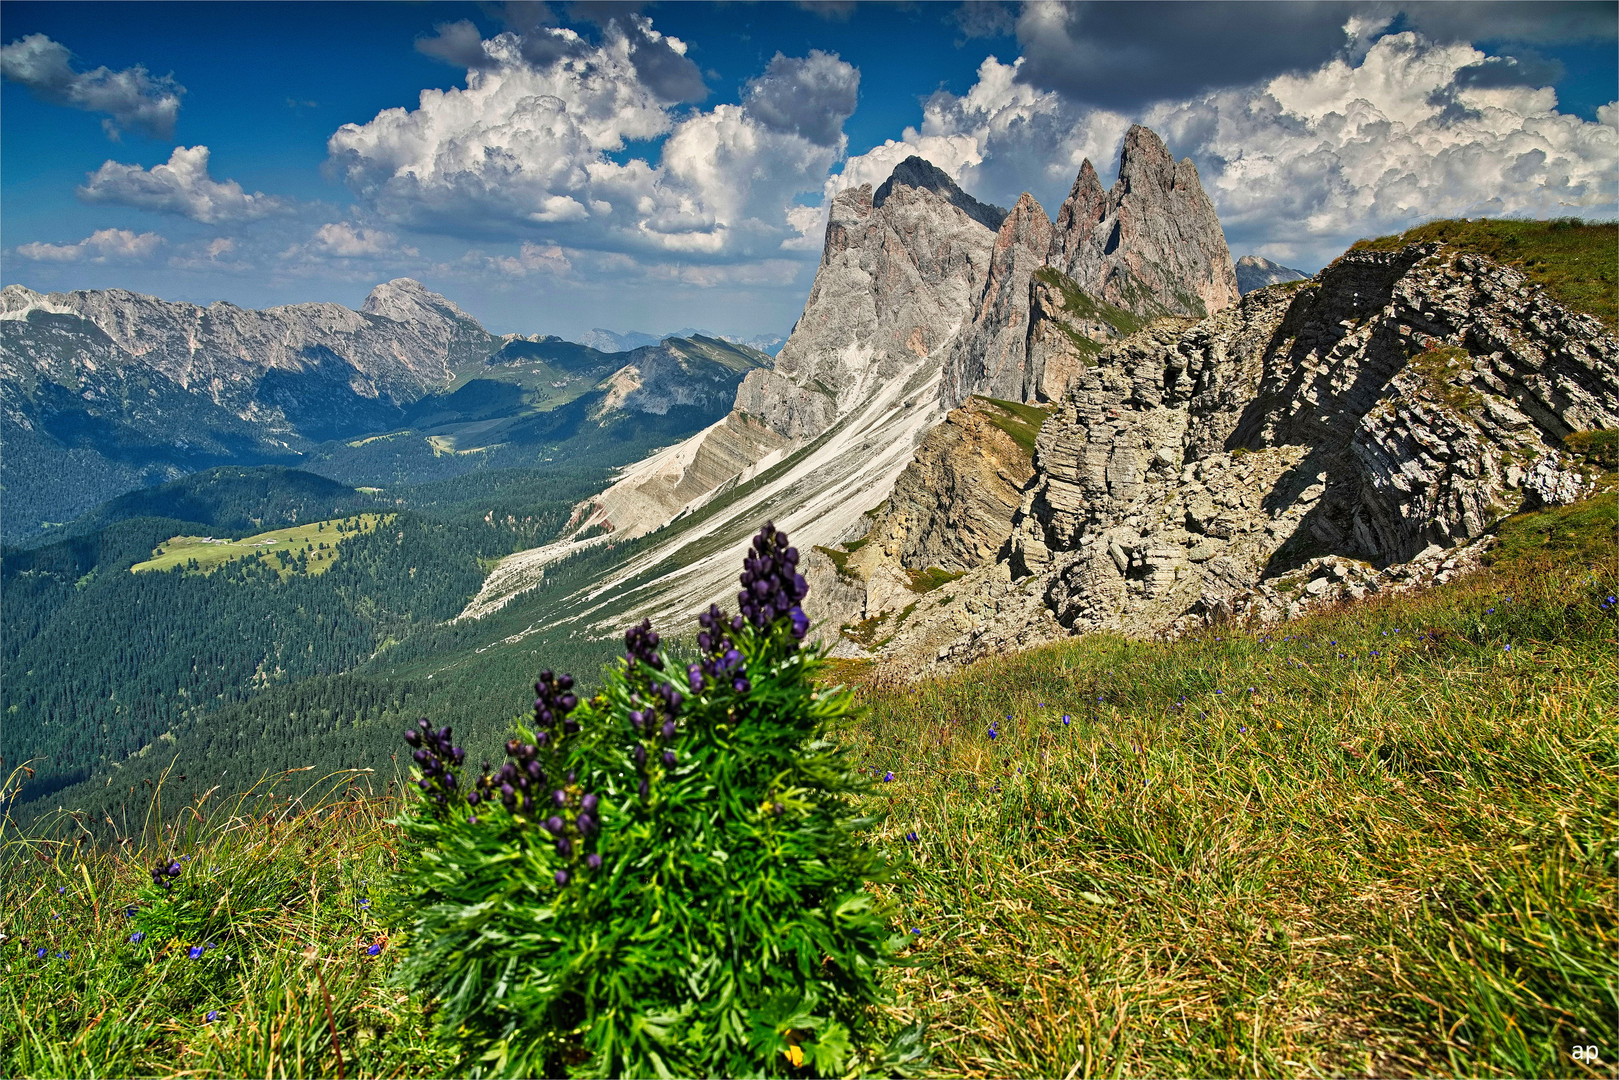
(99, 246)
(1375, 140)
(180, 186)
(535, 144)
(130, 98)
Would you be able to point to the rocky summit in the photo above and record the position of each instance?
(924, 298)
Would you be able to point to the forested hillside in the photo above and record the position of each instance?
(111, 667)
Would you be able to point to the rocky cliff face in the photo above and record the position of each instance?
(953, 507)
(1152, 243)
(899, 272)
(1309, 444)
(992, 357)
(1151, 246)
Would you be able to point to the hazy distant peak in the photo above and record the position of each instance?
(1256, 272)
(405, 299)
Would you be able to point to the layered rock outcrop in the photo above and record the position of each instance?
(1386, 412)
(952, 508)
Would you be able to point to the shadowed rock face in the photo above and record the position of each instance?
(1152, 244)
(991, 358)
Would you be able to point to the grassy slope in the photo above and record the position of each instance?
(1318, 849)
(1378, 840)
(1577, 263)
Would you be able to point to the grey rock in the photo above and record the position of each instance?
(1152, 244)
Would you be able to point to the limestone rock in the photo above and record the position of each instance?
(1152, 244)
(952, 507)
(1357, 434)
(991, 357)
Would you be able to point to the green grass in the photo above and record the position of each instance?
(1376, 840)
(209, 553)
(925, 581)
(1373, 841)
(284, 898)
(1576, 262)
(1080, 305)
(1020, 422)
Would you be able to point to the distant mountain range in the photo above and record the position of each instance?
(106, 391)
(608, 341)
(1255, 272)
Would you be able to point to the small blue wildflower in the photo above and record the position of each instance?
(1489, 611)
(1065, 719)
(915, 930)
(993, 733)
(60, 889)
(196, 952)
(911, 836)
(888, 777)
(40, 954)
(374, 950)
(365, 902)
(213, 1014)
(137, 937)
(1506, 648)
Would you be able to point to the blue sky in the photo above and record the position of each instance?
(647, 167)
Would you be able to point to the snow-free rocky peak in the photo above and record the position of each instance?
(1152, 243)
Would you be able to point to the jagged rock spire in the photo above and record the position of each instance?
(1152, 244)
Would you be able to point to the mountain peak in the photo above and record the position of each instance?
(406, 299)
(1256, 272)
(1152, 243)
(921, 174)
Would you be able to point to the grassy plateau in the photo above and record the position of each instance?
(1379, 840)
(317, 540)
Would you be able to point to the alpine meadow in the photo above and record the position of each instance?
(712, 540)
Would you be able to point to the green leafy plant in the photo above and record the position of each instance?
(666, 879)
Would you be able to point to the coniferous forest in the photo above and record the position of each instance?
(269, 661)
